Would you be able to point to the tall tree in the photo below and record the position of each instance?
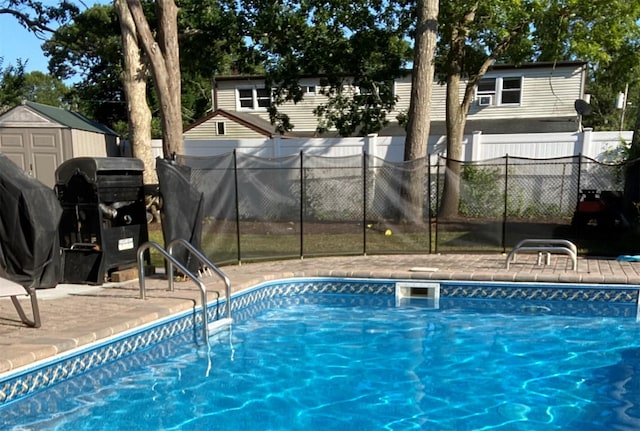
(134, 79)
(415, 145)
(164, 61)
(475, 35)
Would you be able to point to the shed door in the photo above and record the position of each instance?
(37, 152)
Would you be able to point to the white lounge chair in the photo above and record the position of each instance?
(13, 290)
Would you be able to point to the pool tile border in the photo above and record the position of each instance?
(21, 383)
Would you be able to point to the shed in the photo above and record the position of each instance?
(38, 138)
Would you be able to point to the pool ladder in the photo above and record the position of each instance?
(544, 248)
(207, 267)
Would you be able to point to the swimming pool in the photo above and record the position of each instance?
(482, 357)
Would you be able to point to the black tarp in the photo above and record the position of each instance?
(182, 209)
(29, 217)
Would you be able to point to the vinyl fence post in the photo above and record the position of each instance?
(429, 198)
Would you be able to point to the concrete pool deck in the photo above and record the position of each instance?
(74, 316)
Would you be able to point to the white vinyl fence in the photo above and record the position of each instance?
(600, 146)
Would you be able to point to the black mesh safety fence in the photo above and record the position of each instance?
(398, 207)
(269, 206)
(238, 207)
(332, 205)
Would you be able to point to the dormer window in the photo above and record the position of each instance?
(253, 98)
(499, 91)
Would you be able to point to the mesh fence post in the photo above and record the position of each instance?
(506, 200)
(235, 180)
(579, 179)
(364, 203)
(302, 198)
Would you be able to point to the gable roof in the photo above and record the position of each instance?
(71, 119)
(250, 121)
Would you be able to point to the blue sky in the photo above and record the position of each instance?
(16, 42)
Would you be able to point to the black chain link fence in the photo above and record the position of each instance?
(250, 208)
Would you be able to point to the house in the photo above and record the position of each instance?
(530, 98)
(38, 138)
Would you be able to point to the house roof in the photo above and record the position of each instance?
(71, 119)
(496, 66)
(250, 121)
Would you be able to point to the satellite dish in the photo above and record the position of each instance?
(582, 107)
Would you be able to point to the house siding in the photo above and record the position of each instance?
(547, 91)
(209, 130)
(300, 114)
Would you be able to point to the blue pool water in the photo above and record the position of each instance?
(357, 362)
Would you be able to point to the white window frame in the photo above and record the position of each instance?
(496, 95)
(309, 89)
(502, 91)
(221, 128)
(255, 98)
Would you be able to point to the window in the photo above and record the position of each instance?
(220, 129)
(499, 91)
(308, 89)
(245, 97)
(263, 96)
(486, 92)
(511, 91)
(253, 98)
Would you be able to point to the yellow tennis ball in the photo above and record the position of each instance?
(388, 232)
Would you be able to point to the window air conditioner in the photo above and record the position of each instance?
(486, 100)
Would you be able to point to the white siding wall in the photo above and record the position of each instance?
(233, 130)
(546, 92)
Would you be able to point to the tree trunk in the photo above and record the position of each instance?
(165, 67)
(456, 120)
(134, 79)
(415, 146)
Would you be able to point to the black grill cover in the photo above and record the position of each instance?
(29, 218)
(182, 207)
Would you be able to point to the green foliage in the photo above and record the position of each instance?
(357, 46)
(480, 194)
(12, 80)
(90, 47)
(17, 86)
(605, 34)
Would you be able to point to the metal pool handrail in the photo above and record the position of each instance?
(172, 261)
(204, 261)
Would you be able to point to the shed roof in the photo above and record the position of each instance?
(71, 119)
